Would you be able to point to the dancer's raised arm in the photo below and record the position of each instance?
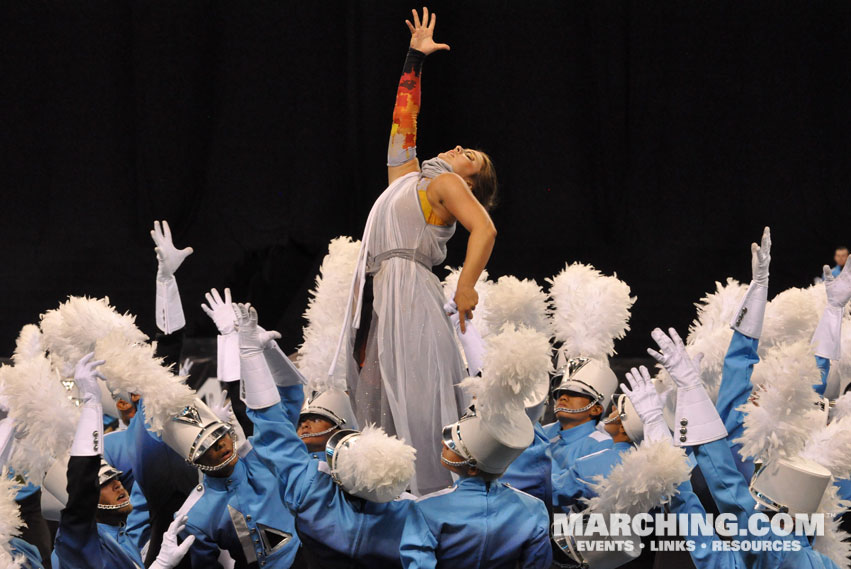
(402, 149)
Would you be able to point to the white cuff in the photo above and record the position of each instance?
(7, 439)
(227, 357)
(751, 313)
(284, 372)
(88, 440)
(696, 421)
(169, 311)
(828, 335)
(258, 387)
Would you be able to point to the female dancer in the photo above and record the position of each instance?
(409, 361)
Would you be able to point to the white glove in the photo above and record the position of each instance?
(171, 553)
(643, 396)
(827, 338)
(471, 340)
(683, 370)
(749, 317)
(89, 434)
(170, 258)
(220, 311)
(86, 378)
(169, 310)
(258, 386)
(696, 421)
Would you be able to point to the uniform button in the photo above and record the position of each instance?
(683, 431)
(248, 517)
(683, 439)
(684, 422)
(199, 487)
(251, 530)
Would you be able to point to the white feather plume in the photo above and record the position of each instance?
(516, 361)
(834, 543)
(591, 310)
(841, 408)
(646, 477)
(325, 314)
(134, 368)
(521, 302)
(45, 417)
(830, 446)
(792, 315)
(377, 464)
(71, 331)
(780, 421)
(28, 345)
(483, 288)
(10, 519)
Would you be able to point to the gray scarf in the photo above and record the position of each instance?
(434, 167)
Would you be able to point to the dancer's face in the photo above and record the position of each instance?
(314, 424)
(113, 493)
(221, 450)
(570, 400)
(465, 162)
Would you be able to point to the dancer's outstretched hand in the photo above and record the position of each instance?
(422, 32)
(838, 288)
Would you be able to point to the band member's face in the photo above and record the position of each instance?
(309, 424)
(220, 452)
(113, 493)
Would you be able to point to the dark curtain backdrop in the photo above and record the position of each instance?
(651, 139)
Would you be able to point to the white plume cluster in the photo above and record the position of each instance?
(834, 543)
(134, 368)
(646, 477)
(779, 422)
(591, 310)
(792, 315)
(71, 331)
(483, 289)
(44, 416)
(521, 302)
(10, 520)
(841, 408)
(376, 464)
(516, 361)
(28, 345)
(325, 314)
(830, 446)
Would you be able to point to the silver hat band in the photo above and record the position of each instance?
(566, 410)
(454, 463)
(204, 441)
(764, 500)
(123, 504)
(216, 468)
(319, 434)
(594, 393)
(460, 449)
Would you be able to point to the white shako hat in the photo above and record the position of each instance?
(332, 404)
(193, 431)
(790, 485)
(595, 556)
(591, 377)
(490, 446)
(631, 422)
(370, 464)
(56, 480)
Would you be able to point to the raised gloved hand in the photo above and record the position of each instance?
(761, 258)
(220, 311)
(695, 417)
(89, 434)
(86, 378)
(684, 370)
(471, 340)
(749, 317)
(220, 405)
(171, 553)
(838, 288)
(258, 386)
(647, 403)
(169, 257)
(827, 338)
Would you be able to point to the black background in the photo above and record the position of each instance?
(654, 139)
